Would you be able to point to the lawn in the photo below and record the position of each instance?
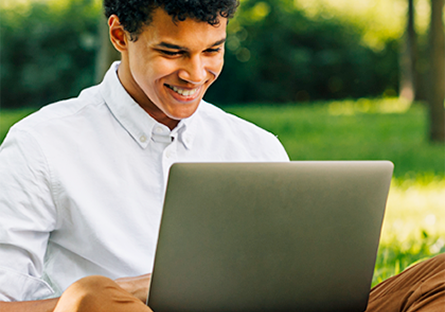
(414, 226)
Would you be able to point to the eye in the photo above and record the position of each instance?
(213, 50)
(171, 53)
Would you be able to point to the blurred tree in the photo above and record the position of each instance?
(276, 53)
(47, 51)
(408, 58)
(437, 72)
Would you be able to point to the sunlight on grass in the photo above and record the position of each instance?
(377, 106)
(415, 210)
(413, 228)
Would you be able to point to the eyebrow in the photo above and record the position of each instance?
(178, 47)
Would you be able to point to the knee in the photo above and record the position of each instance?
(92, 284)
(86, 294)
(440, 258)
(436, 263)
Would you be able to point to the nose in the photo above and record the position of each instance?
(193, 70)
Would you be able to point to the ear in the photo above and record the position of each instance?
(118, 35)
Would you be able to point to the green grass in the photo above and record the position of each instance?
(414, 226)
(318, 132)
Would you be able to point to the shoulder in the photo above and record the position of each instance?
(61, 114)
(232, 129)
(232, 123)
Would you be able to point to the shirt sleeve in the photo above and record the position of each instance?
(27, 216)
(271, 148)
(281, 151)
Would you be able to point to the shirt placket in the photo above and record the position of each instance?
(169, 152)
(169, 157)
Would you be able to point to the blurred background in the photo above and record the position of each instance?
(334, 79)
(296, 50)
(278, 51)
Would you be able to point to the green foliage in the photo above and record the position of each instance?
(47, 52)
(275, 53)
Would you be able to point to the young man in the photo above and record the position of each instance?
(83, 180)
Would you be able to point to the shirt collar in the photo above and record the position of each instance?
(140, 125)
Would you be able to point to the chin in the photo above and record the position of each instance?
(183, 115)
(184, 112)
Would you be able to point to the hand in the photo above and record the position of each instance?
(137, 285)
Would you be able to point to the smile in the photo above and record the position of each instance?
(183, 92)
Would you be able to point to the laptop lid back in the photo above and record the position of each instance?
(297, 236)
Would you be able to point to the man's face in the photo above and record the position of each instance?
(171, 65)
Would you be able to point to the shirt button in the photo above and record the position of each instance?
(158, 130)
(168, 154)
(143, 138)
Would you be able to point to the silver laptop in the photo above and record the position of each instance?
(248, 237)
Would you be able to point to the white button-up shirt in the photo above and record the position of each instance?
(82, 183)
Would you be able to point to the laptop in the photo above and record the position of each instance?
(250, 237)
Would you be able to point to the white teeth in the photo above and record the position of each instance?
(184, 92)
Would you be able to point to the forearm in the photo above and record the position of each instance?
(46, 305)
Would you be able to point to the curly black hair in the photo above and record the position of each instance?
(135, 14)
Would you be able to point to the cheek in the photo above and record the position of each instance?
(149, 73)
(216, 66)
(158, 69)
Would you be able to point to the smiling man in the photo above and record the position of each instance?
(169, 66)
(83, 180)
